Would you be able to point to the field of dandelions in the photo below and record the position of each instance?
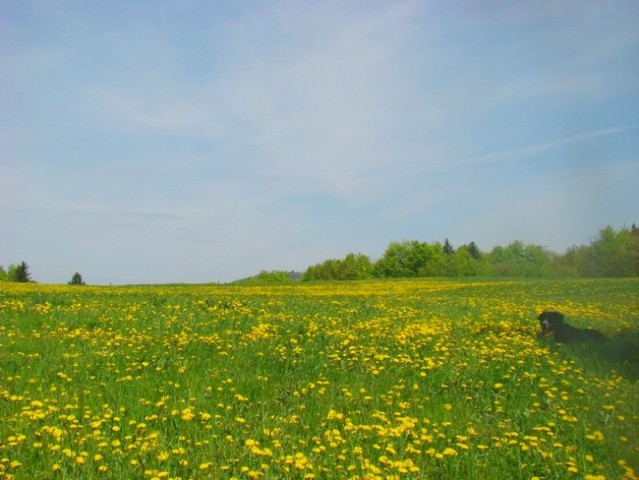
(425, 379)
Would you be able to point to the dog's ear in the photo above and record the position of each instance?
(542, 315)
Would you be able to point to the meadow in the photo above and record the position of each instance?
(426, 379)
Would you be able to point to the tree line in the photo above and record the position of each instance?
(19, 272)
(614, 253)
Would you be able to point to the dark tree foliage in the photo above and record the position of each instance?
(448, 248)
(474, 251)
(19, 273)
(76, 279)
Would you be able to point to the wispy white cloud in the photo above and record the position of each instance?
(325, 102)
(527, 151)
(313, 108)
(134, 111)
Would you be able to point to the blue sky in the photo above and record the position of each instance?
(193, 141)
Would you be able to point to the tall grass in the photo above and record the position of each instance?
(370, 380)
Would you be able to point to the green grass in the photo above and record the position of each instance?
(363, 380)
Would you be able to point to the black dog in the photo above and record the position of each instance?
(553, 322)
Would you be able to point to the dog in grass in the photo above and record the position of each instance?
(553, 323)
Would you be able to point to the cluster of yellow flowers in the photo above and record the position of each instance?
(360, 381)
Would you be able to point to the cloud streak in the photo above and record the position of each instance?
(524, 152)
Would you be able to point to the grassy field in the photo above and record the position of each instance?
(374, 380)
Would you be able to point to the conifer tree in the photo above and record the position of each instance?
(76, 279)
(448, 248)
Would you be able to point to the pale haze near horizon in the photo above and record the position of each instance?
(193, 141)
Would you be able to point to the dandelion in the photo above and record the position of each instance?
(187, 414)
(427, 347)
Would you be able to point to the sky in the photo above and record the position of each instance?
(204, 141)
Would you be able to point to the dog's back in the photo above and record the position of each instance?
(573, 334)
(553, 322)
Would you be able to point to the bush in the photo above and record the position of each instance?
(355, 266)
(266, 277)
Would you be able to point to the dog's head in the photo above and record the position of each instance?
(550, 321)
